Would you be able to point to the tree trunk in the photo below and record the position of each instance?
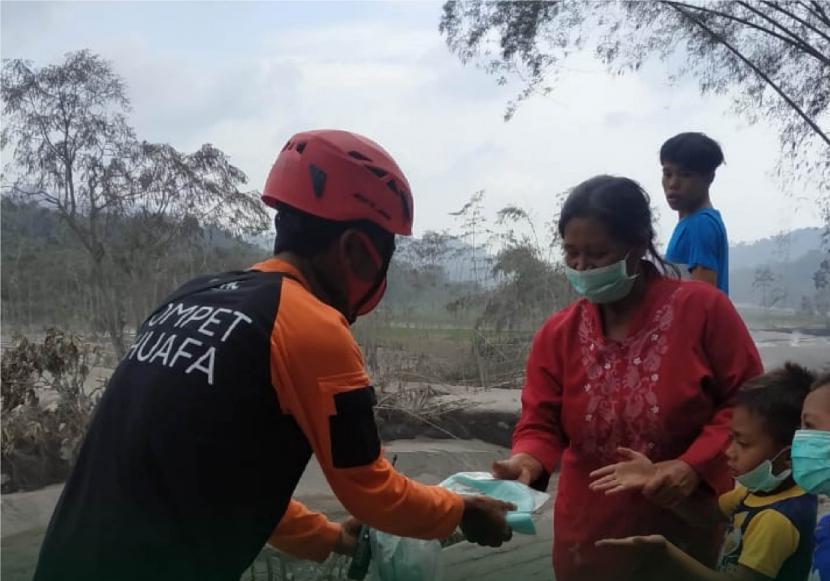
(110, 317)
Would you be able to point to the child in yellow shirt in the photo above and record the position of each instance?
(771, 519)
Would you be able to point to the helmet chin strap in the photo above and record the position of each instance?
(369, 300)
(378, 287)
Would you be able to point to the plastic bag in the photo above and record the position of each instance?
(403, 559)
(527, 500)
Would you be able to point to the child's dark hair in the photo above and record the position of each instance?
(621, 205)
(777, 396)
(307, 235)
(692, 151)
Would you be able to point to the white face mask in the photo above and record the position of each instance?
(761, 478)
(607, 284)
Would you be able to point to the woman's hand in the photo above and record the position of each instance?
(664, 483)
(522, 467)
(673, 482)
(633, 473)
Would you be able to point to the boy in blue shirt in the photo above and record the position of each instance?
(699, 245)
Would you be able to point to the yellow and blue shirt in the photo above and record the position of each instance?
(770, 534)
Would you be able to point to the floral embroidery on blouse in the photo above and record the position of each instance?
(623, 408)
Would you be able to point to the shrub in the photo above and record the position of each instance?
(46, 406)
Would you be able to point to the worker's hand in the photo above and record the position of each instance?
(485, 522)
(347, 541)
(673, 482)
(522, 467)
(633, 473)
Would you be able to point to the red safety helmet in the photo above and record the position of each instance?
(342, 176)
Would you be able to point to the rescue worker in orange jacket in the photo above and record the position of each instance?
(190, 462)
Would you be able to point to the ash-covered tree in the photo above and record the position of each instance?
(70, 148)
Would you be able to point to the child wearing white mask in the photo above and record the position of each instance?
(811, 465)
(771, 518)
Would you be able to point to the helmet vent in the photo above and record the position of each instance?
(358, 155)
(318, 180)
(377, 171)
(402, 195)
(300, 147)
(407, 211)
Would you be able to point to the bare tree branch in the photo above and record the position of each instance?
(809, 9)
(777, 6)
(820, 12)
(795, 36)
(792, 40)
(759, 72)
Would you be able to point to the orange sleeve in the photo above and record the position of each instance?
(317, 371)
(305, 534)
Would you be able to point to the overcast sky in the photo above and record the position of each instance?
(245, 76)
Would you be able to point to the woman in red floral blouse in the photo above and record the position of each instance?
(643, 361)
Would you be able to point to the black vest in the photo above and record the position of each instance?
(188, 464)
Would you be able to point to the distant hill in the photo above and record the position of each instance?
(793, 258)
(789, 247)
(795, 279)
(45, 270)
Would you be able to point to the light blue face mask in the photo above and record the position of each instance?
(527, 500)
(607, 284)
(811, 460)
(761, 478)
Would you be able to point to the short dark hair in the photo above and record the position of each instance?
(618, 203)
(778, 396)
(692, 151)
(307, 235)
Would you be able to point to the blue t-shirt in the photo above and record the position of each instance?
(821, 556)
(699, 239)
